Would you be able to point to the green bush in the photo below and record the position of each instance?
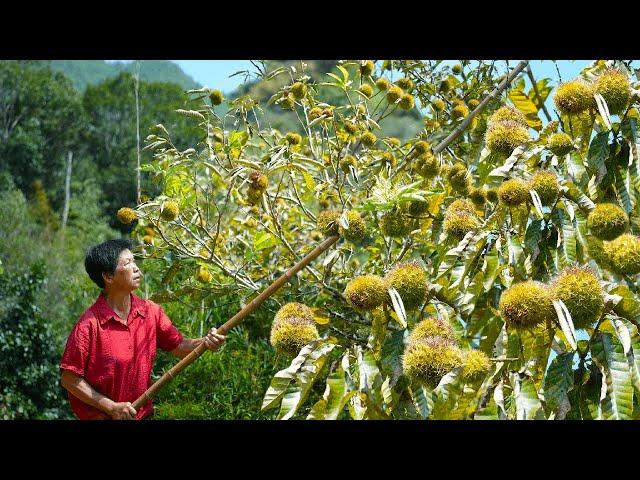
(29, 352)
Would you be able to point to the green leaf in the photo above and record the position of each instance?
(369, 371)
(263, 240)
(537, 203)
(305, 377)
(617, 399)
(575, 167)
(536, 348)
(559, 380)
(309, 182)
(566, 323)
(334, 399)
(633, 355)
(526, 106)
(623, 186)
(447, 393)
(345, 73)
(490, 268)
(509, 163)
(378, 333)
(527, 401)
(422, 399)
(490, 412)
(398, 307)
(237, 139)
(629, 306)
(543, 92)
(281, 380)
(603, 109)
(532, 238)
(585, 395)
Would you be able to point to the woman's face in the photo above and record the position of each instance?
(126, 276)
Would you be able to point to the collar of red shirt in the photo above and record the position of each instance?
(105, 313)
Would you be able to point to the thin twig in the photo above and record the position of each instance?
(537, 92)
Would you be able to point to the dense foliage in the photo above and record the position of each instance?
(29, 354)
(487, 238)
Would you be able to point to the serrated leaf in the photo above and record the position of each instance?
(398, 306)
(622, 186)
(263, 240)
(490, 412)
(537, 203)
(422, 400)
(629, 306)
(558, 380)
(603, 109)
(447, 393)
(305, 377)
(490, 268)
(532, 238)
(334, 399)
(369, 371)
(281, 380)
(622, 332)
(633, 356)
(597, 155)
(331, 257)
(566, 323)
(498, 398)
(526, 106)
(336, 78)
(527, 401)
(616, 399)
(345, 73)
(536, 348)
(191, 113)
(509, 163)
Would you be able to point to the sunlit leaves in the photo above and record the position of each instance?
(617, 394)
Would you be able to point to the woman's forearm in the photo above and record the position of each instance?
(81, 389)
(187, 346)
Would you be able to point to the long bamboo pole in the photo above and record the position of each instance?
(235, 320)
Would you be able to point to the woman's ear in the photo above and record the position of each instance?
(107, 277)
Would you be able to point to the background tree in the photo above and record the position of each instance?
(41, 118)
(111, 139)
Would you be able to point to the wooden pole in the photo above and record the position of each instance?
(235, 320)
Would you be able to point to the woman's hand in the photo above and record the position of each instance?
(122, 411)
(213, 340)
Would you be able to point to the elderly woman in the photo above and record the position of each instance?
(109, 354)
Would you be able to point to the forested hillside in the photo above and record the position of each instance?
(83, 73)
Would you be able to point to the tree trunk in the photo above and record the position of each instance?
(67, 191)
(138, 130)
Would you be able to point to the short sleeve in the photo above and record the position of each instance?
(76, 352)
(167, 335)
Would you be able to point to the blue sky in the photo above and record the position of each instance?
(216, 73)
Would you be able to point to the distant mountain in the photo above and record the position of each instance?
(91, 72)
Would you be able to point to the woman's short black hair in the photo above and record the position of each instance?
(104, 258)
